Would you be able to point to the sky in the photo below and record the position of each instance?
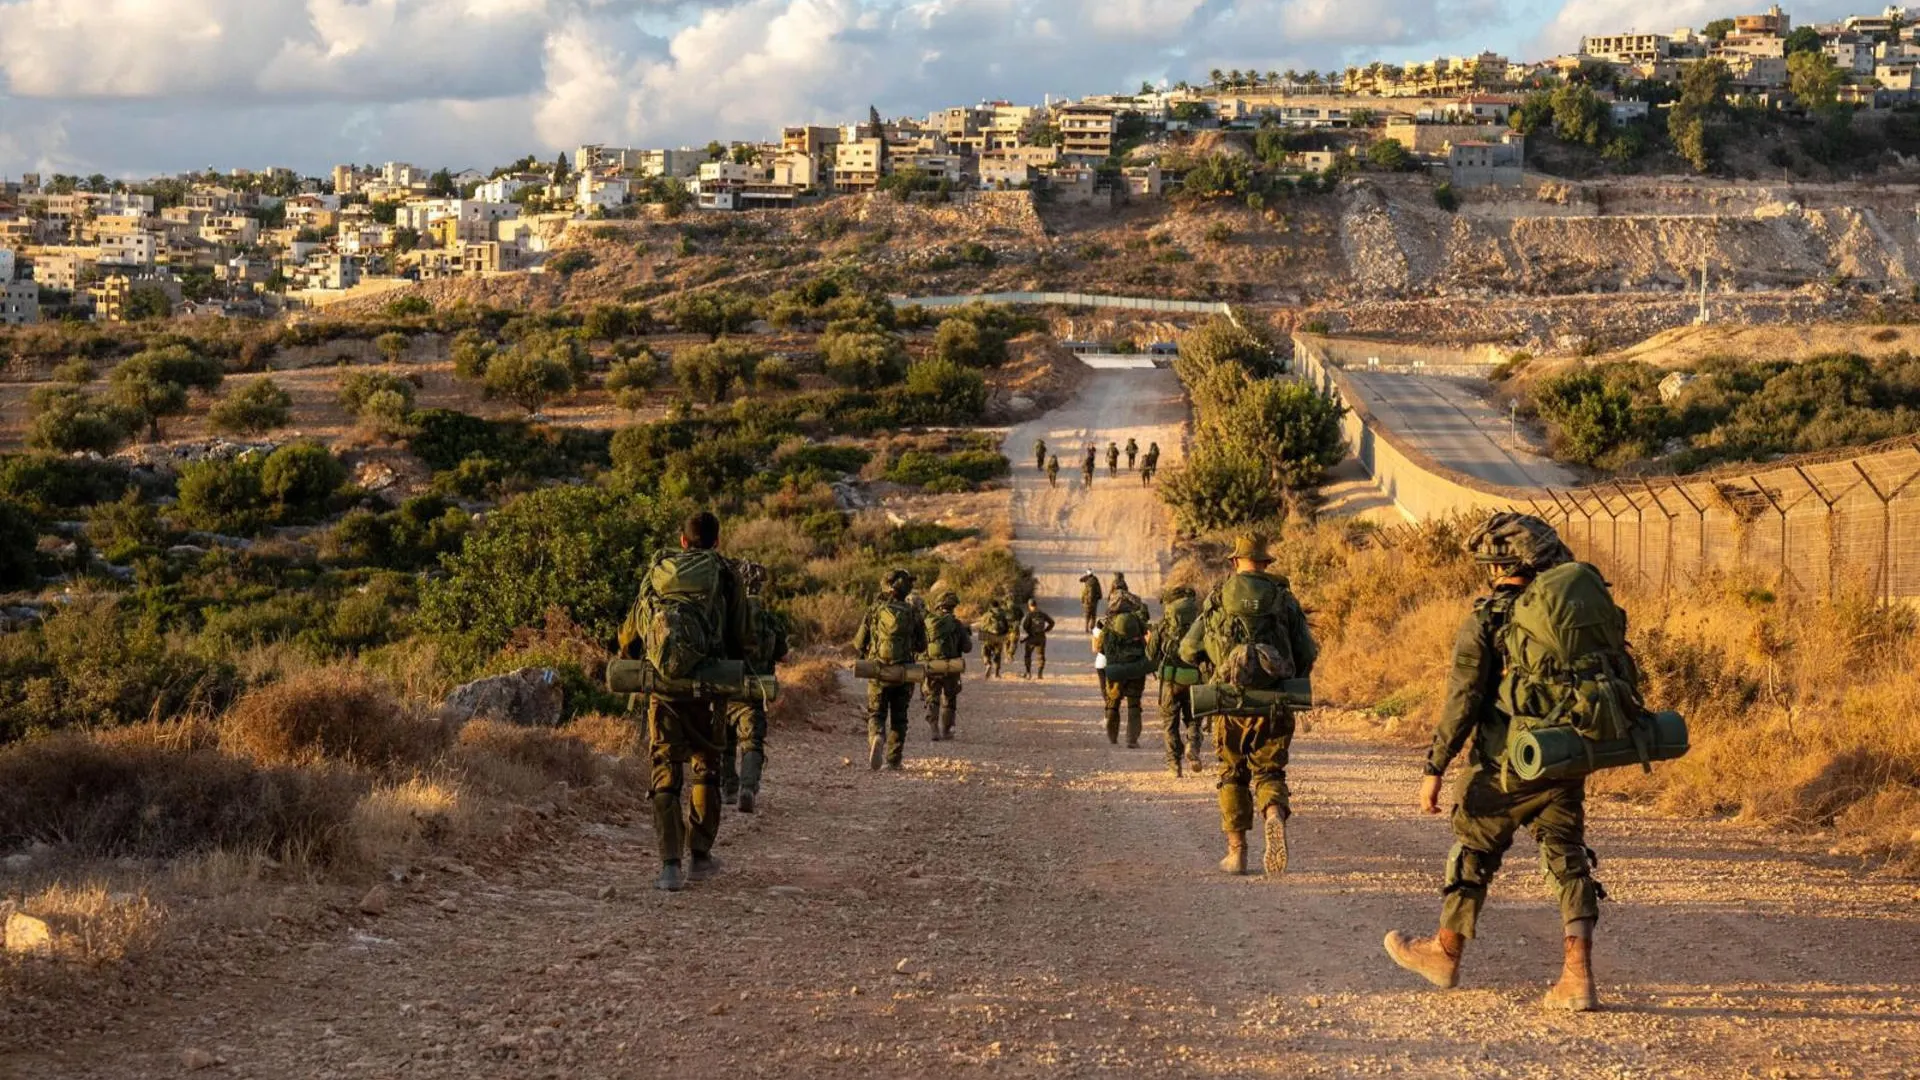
(134, 88)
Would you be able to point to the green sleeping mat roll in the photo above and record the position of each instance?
(1560, 753)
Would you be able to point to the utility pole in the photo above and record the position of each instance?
(1701, 318)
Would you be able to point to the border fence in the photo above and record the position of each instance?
(1091, 300)
(1818, 525)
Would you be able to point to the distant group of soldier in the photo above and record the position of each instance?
(1246, 644)
(1148, 463)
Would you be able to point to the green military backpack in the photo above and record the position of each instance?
(1567, 659)
(890, 631)
(768, 645)
(680, 612)
(1123, 637)
(947, 637)
(1247, 639)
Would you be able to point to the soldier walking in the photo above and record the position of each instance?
(1034, 628)
(1483, 687)
(893, 633)
(1251, 629)
(1150, 465)
(996, 624)
(947, 639)
(690, 587)
(1086, 467)
(1040, 454)
(1121, 642)
(1090, 598)
(1179, 607)
(1053, 471)
(1113, 459)
(747, 717)
(1133, 451)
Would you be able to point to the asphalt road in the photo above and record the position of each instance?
(1443, 417)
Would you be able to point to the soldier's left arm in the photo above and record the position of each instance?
(1305, 650)
(733, 636)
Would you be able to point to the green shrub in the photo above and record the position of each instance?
(69, 421)
(775, 373)
(408, 306)
(712, 313)
(18, 539)
(47, 483)
(470, 353)
(942, 379)
(412, 537)
(260, 406)
(223, 496)
(866, 360)
(528, 378)
(154, 383)
(570, 262)
(300, 478)
(125, 528)
(78, 371)
(968, 344)
(710, 372)
(637, 373)
(357, 388)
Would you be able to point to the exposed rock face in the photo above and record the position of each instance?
(530, 697)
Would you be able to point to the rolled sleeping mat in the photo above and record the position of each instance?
(1123, 670)
(1177, 675)
(1214, 698)
(891, 674)
(715, 678)
(1561, 753)
(955, 666)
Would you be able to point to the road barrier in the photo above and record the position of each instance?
(1821, 525)
(1065, 299)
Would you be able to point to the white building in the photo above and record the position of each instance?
(400, 174)
(596, 190)
(128, 249)
(500, 189)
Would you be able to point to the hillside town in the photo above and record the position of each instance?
(255, 243)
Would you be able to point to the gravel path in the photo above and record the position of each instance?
(1028, 901)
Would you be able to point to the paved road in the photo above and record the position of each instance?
(1445, 418)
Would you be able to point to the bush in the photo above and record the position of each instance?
(712, 313)
(223, 496)
(547, 755)
(1445, 198)
(47, 484)
(569, 263)
(18, 537)
(412, 537)
(331, 715)
(709, 372)
(125, 528)
(77, 371)
(69, 421)
(470, 353)
(392, 346)
(866, 361)
(962, 389)
(635, 374)
(300, 478)
(528, 377)
(260, 406)
(580, 549)
(965, 342)
(969, 467)
(154, 383)
(775, 373)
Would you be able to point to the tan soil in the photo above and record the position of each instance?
(1029, 901)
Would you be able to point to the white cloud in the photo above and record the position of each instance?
(142, 85)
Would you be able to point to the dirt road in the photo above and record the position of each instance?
(1028, 901)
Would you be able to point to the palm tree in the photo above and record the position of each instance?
(1233, 78)
(1312, 77)
(1292, 78)
(1216, 77)
(1273, 77)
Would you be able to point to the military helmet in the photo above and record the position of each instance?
(1176, 592)
(1521, 541)
(947, 600)
(898, 578)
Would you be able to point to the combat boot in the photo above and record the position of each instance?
(1574, 992)
(947, 717)
(670, 879)
(1113, 728)
(933, 723)
(1273, 828)
(1236, 860)
(875, 748)
(704, 867)
(752, 763)
(1133, 726)
(1435, 959)
(1173, 766)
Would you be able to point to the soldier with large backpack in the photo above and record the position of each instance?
(1090, 593)
(1254, 634)
(1086, 467)
(893, 635)
(997, 625)
(1133, 451)
(1120, 648)
(1053, 471)
(1545, 649)
(1040, 454)
(747, 717)
(1113, 459)
(1179, 608)
(688, 623)
(1150, 464)
(948, 639)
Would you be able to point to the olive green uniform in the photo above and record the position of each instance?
(685, 737)
(1090, 600)
(1176, 701)
(1253, 749)
(1053, 471)
(1039, 453)
(1086, 467)
(1149, 465)
(746, 728)
(888, 703)
(1118, 692)
(1113, 460)
(1034, 628)
(997, 644)
(942, 692)
(1487, 815)
(1133, 451)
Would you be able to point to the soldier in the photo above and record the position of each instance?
(1150, 465)
(684, 732)
(1086, 467)
(747, 718)
(947, 639)
(1113, 459)
(1179, 607)
(996, 624)
(1090, 598)
(893, 632)
(1133, 451)
(1040, 454)
(1516, 548)
(1122, 639)
(1252, 619)
(1119, 586)
(1034, 629)
(1053, 471)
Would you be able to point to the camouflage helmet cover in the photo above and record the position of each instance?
(897, 578)
(947, 600)
(1517, 540)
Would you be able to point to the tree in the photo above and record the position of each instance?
(1703, 94)
(528, 377)
(960, 389)
(358, 391)
(1579, 116)
(1802, 39)
(154, 383)
(608, 322)
(1814, 79)
(969, 344)
(440, 185)
(560, 170)
(300, 478)
(392, 346)
(258, 407)
(1717, 30)
(866, 360)
(712, 313)
(67, 420)
(1389, 154)
(146, 302)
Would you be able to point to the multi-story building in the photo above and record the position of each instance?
(135, 249)
(1626, 48)
(859, 164)
(110, 298)
(9, 264)
(19, 302)
(596, 190)
(1773, 23)
(399, 174)
(60, 269)
(346, 179)
(1475, 163)
(797, 169)
(1143, 181)
(231, 230)
(1086, 132)
(808, 139)
(1851, 53)
(679, 164)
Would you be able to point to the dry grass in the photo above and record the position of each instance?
(89, 923)
(521, 761)
(616, 736)
(335, 714)
(397, 820)
(1801, 710)
(825, 618)
(808, 688)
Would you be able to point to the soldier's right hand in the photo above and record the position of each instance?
(1430, 795)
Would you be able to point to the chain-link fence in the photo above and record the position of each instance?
(1841, 522)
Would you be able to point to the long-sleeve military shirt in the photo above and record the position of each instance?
(1470, 710)
(1193, 647)
(1036, 626)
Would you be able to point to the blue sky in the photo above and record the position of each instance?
(135, 87)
